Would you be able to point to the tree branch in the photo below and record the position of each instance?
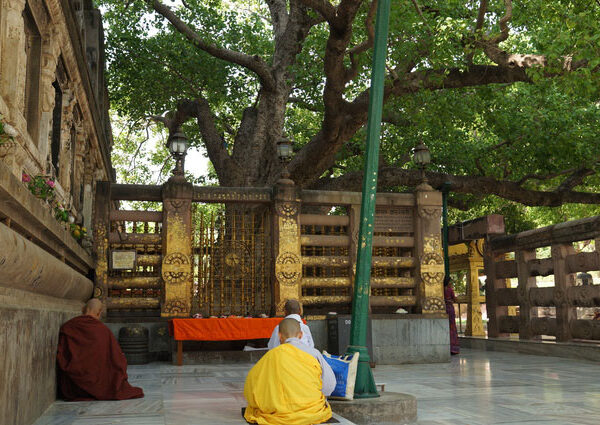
(575, 179)
(476, 185)
(481, 15)
(323, 8)
(253, 63)
(420, 12)
(352, 72)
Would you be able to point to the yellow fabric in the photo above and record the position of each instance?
(284, 388)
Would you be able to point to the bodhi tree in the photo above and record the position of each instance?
(504, 93)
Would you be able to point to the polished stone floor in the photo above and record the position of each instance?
(477, 387)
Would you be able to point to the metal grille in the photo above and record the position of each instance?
(232, 261)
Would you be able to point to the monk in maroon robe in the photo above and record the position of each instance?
(91, 365)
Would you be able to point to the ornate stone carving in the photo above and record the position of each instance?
(541, 327)
(287, 209)
(177, 204)
(581, 296)
(288, 268)
(176, 268)
(434, 304)
(432, 243)
(430, 213)
(175, 307)
(560, 297)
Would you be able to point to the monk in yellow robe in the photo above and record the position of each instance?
(289, 384)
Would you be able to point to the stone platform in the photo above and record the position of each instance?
(571, 350)
(475, 388)
(388, 408)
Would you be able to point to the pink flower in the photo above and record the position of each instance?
(25, 178)
(50, 183)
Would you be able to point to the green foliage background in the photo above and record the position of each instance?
(502, 131)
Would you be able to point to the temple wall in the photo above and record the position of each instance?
(55, 129)
(29, 325)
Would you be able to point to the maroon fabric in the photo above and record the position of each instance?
(449, 298)
(91, 365)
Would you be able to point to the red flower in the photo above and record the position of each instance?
(25, 178)
(50, 183)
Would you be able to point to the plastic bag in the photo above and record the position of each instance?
(344, 369)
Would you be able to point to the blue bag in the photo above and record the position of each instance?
(344, 369)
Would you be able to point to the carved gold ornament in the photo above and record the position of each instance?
(432, 268)
(98, 292)
(288, 268)
(434, 304)
(287, 209)
(176, 268)
(175, 306)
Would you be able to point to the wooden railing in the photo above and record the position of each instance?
(564, 296)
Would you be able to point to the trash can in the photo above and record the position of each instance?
(338, 334)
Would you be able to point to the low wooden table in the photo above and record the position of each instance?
(229, 329)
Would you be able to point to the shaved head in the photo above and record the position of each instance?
(289, 328)
(93, 308)
(292, 307)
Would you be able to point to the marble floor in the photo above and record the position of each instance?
(476, 388)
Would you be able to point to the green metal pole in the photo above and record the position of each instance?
(365, 385)
(445, 190)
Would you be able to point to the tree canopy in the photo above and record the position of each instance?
(505, 94)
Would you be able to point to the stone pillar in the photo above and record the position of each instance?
(474, 321)
(177, 261)
(50, 52)
(428, 251)
(526, 282)
(12, 67)
(286, 244)
(101, 230)
(563, 280)
(494, 311)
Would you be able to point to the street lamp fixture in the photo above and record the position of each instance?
(285, 152)
(178, 145)
(422, 158)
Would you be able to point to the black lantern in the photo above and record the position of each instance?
(285, 151)
(178, 145)
(422, 157)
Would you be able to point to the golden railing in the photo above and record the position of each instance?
(232, 262)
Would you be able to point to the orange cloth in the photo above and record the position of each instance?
(222, 329)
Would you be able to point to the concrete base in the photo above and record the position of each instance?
(219, 357)
(400, 338)
(390, 408)
(571, 350)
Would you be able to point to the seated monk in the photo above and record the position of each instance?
(289, 383)
(292, 311)
(91, 365)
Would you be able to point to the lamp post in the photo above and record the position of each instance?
(365, 384)
(422, 157)
(285, 151)
(178, 145)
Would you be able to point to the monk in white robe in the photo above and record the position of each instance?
(289, 384)
(292, 310)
